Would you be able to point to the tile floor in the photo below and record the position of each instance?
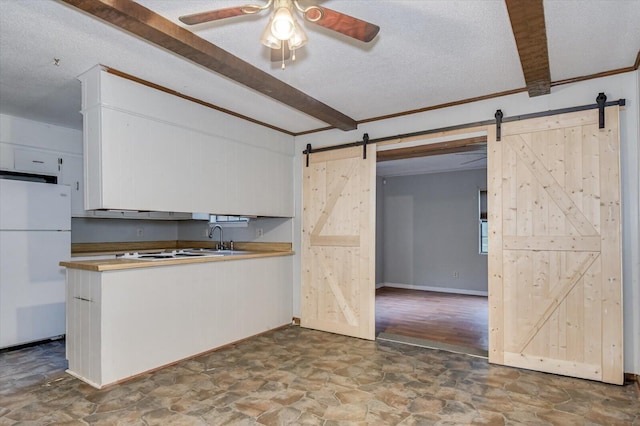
(304, 377)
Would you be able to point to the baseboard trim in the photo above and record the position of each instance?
(634, 379)
(438, 289)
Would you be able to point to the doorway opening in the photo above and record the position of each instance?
(431, 263)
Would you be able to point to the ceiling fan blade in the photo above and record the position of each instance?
(213, 15)
(339, 22)
(276, 54)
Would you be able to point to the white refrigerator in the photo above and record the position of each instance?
(35, 235)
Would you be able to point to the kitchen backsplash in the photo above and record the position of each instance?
(265, 229)
(89, 230)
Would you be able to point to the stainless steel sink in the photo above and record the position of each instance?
(188, 255)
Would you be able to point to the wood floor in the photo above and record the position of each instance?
(453, 319)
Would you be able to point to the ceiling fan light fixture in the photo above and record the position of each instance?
(268, 39)
(283, 24)
(298, 38)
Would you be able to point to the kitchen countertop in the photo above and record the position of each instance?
(245, 251)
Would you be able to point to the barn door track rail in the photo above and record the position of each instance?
(600, 105)
(499, 118)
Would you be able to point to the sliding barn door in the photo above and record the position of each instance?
(338, 242)
(555, 288)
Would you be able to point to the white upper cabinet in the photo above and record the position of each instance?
(150, 150)
(36, 161)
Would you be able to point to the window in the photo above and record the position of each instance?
(484, 227)
(484, 237)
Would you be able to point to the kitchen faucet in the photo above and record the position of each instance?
(211, 231)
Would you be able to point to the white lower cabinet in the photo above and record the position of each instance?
(125, 322)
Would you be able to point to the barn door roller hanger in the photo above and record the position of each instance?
(364, 142)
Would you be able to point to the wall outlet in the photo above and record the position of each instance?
(140, 232)
(456, 274)
(259, 232)
(205, 232)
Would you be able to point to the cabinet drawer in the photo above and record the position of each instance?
(25, 160)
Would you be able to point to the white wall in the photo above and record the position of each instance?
(582, 93)
(431, 231)
(34, 134)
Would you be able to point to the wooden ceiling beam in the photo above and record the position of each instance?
(440, 148)
(529, 30)
(136, 19)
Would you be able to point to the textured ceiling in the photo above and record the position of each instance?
(427, 53)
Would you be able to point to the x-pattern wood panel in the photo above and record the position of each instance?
(338, 243)
(588, 243)
(554, 246)
(556, 296)
(551, 185)
(342, 302)
(335, 191)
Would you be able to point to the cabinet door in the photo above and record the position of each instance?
(71, 174)
(36, 161)
(151, 165)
